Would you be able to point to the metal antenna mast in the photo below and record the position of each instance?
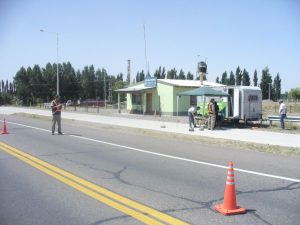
(147, 63)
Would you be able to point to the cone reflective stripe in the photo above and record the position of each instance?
(229, 206)
(4, 130)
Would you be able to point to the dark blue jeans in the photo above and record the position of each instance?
(282, 117)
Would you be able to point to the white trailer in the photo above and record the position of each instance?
(244, 103)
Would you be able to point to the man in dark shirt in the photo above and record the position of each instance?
(56, 114)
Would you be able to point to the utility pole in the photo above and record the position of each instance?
(128, 71)
(270, 91)
(104, 90)
(109, 91)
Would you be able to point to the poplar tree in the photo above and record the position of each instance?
(231, 79)
(189, 76)
(224, 79)
(266, 80)
(181, 75)
(246, 78)
(277, 87)
(238, 76)
(255, 79)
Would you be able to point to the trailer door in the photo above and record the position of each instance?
(236, 103)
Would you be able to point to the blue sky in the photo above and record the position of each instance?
(250, 34)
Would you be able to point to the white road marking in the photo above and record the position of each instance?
(168, 156)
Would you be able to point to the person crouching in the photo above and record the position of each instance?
(191, 113)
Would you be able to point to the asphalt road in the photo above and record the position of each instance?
(182, 179)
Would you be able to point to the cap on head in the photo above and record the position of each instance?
(280, 101)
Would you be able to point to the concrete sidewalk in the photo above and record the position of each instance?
(245, 135)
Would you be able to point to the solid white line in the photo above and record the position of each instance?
(169, 156)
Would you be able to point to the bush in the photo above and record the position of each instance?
(5, 98)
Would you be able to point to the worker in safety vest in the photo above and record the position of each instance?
(211, 115)
(56, 114)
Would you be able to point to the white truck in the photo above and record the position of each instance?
(244, 103)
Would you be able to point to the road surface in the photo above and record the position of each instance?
(102, 174)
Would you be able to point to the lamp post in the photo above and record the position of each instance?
(57, 77)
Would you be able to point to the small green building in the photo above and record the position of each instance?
(159, 96)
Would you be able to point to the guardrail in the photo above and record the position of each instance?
(47, 105)
(272, 118)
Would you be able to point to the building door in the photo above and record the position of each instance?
(149, 103)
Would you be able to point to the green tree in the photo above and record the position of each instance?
(88, 82)
(5, 98)
(255, 79)
(277, 87)
(158, 73)
(224, 79)
(246, 78)
(22, 83)
(238, 76)
(38, 84)
(140, 76)
(101, 84)
(266, 80)
(172, 74)
(2, 85)
(49, 75)
(119, 84)
(68, 82)
(231, 78)
(181, 75)
(163, 73)
(189, 76)
(294, 94)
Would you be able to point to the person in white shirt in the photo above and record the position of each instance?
(282, 113)
(192, 112)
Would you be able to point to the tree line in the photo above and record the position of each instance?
(271, 88)
(161, 73)
(36, 85)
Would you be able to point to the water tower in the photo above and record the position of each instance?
(202, 70)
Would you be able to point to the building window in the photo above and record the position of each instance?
(136, 99)
(193, 100)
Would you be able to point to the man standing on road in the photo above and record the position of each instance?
(282, 113)
(192, 112)
(211, 115)
(56, 114)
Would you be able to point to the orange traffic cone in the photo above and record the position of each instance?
(229, 206)
(4, 130)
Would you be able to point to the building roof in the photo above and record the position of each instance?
(189, 83)
(178, 83)
(203, 91)
(134, 89)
